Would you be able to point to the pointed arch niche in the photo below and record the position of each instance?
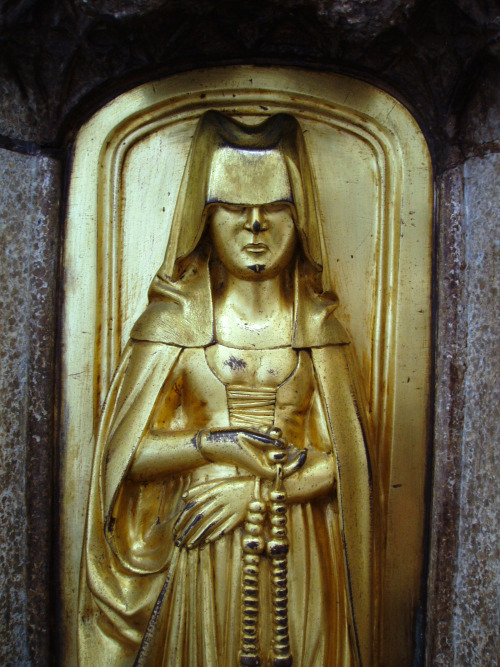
(374, 181)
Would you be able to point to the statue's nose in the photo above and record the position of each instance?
(255, 222)
(256, 227)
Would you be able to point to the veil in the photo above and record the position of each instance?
(179, 293)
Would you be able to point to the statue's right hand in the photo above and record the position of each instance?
(238, 447)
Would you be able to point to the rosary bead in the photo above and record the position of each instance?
(249, 580)
(277, 547)
(283, 662)
(278, 520)
(279, 580)
(251, 559)
(249, 661)
(250, 602)
(278, 508)
(281, 604)
(250, 591)
(282, 646)
(257, 506)
(253, 545)
(250, 658)
(253, 528)
(250, 633)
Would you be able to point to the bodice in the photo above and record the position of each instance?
(218, 387)
(251, 379)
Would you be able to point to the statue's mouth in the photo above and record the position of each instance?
(256, 248)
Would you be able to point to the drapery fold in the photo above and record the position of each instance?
(125, 577)
(129, 550)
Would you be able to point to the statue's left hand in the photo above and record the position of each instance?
(213, 509)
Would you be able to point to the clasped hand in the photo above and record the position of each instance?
(213, 509)
(218, 507)
(256, 452)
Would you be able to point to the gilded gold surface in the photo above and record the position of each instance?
(250, 427)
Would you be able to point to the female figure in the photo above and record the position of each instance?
(230, 510)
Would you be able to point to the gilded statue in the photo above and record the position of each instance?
(230, 509)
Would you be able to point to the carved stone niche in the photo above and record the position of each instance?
(370, 171)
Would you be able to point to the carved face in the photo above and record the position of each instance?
(253, 242)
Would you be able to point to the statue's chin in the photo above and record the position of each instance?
(257, 272)
(256, 268)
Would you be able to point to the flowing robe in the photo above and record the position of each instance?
(127, 568)
(129, 550)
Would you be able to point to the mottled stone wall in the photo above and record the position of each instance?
(62, 59)
(29, 202)
(477, 619)
(464, 576)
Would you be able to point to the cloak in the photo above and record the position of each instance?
(120, 586)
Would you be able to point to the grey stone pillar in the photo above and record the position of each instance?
(29, 206)
(464, 576)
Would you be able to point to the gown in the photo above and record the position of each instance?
(199, 619)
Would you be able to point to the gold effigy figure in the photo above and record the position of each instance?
(230, 512)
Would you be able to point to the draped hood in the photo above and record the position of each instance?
(177, 313)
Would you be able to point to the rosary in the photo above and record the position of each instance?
(276, 547)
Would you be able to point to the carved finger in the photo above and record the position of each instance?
(277, 456)
(275, 433)
(256, 461)
(225, 527)
(199, 535)
(296, 464)
(196, 491)
(260, 441)
(197, 495)
(192, 514)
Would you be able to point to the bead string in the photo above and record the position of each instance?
(253, 546)
(277, 547)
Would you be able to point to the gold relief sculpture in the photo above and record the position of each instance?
(243, 446)
(220, 530)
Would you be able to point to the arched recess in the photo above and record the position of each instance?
(374, 182)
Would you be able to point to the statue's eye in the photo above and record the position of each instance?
(235, 208)
(276, 207)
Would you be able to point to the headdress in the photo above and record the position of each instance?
(232, 160)
(223, 138)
